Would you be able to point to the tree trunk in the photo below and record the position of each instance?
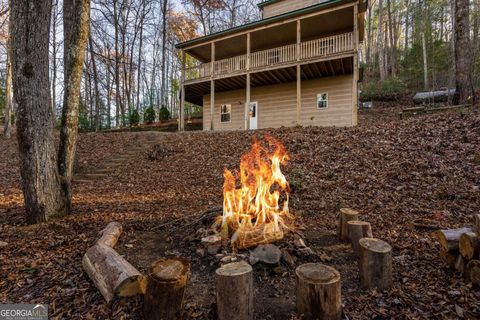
(449, 239)
(8, 94)
(463, 81)
(425, 62)
(235, 291)
(95, 84)
(358, 230)
(165, 291)
(76, 25)
(318, 292)
(30, 27)
(164, 49)
(381, 50)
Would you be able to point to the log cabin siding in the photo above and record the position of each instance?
(285, 6)
(277, 105)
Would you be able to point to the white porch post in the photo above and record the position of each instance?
(299, 75)
(248, 96)
(212, 86)
(355, 66)
(181, 125)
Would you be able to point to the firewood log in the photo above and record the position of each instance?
(167, 280)
(476, 223)
(449, 239)
(375, 263)
(460, 264)
(449, 257)
(358, 230)
(469, 245)
(235, 291)
(318, 292)
(473, 271)
(111, 273)
(346, 215)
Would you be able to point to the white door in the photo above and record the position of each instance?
(253, 115)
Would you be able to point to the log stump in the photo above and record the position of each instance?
(318, 292)
(469, 245)
(461, 264)
(473, 272)
(449, 239)
(375, 263)
(346, 215)
(165, 290)
(235, 291)
(448, 257)
(358, 230)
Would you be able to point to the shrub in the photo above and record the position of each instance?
(388, 90)
(149, 115)
(134, 118)
(164, 114)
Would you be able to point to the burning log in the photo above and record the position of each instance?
(165, 290)
(449, 239)
(346, 215)
(358, 230)
(249, 237)
(235, 291)
(473, 272)
(375, 263)
(469, 245)
(318, 292)
(110, 272)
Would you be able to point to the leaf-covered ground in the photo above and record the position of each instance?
(393, 171)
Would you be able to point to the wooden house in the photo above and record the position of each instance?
(298, 65)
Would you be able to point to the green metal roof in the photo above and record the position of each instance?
(258, 23)
(267, 2)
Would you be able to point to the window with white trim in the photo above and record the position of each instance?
(225, 112)
(322, 100)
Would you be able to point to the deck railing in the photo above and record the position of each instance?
(317, 48)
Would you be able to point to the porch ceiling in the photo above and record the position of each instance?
(194, 92)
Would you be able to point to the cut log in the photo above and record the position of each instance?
(235, 291)
(449, 239)
(111, 273)
(476, 223)
(469, 245)
(358, 230)
(109, 236)
(473, 272)
(375, 263)
(346, 215)
(460, 264)
(167, 280)
(448, 257)
(318, 292)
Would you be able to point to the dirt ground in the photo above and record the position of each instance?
(393, 171)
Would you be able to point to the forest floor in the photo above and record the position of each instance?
(393, 171)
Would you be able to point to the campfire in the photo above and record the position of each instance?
(257, 211)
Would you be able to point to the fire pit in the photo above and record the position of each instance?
(257, 211)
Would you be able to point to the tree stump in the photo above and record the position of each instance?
(346, 215)
(358, 230)
(449, 239)
(473, 272)
(235, 291)
(318, 292)
(167, 280)
(469, 245)
(375, 263)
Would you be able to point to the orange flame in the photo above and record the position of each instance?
(252, 214)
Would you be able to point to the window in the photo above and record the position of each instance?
(225, 112)
(322, 100)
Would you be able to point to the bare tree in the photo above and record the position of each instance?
(462, 52)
